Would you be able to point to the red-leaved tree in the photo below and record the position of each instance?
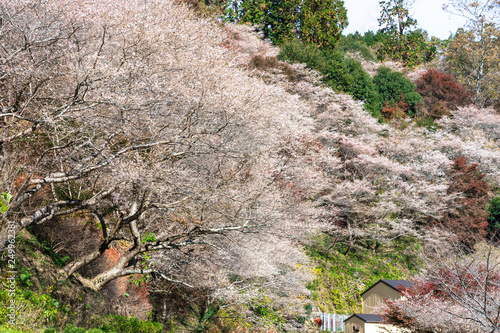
(441, 93)
(469, 218)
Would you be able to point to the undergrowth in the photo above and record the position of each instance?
(45, 304)
(341, 278)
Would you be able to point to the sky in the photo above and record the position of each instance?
(430, 16)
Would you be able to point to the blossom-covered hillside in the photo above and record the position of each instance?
(154, 158)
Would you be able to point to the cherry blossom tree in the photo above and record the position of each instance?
(458, 292)
(135, 116)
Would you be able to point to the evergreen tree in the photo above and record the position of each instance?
(278, 19)
(315, 21)
(323, 21)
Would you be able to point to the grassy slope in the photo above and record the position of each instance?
(341, 277)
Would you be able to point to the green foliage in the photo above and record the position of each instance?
(371, 39)
(46, 248)
(427, 122)
(263, 306)
(149, 237)
(392, 86)
(72, 329)
(395, 17)
(341, 73)
(204, 314)
(32, 309)
(115, 324)
(316, 21)
(4, 201)
(277, 19)
(341, 277)
(355, 43)
(308, 307)
(401, 44)
(123, 324)
(494, 211)
(25, 276)
(297, 51)
(361, 86)
(206, 317)
(412, 49)
(322, 22)
(8, 329)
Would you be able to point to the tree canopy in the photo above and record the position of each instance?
(474, 50)
(403, 43)
(315, 21)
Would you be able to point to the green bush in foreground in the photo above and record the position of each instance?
(115, 324)
(393, 86)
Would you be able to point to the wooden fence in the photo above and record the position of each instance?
(332, 322)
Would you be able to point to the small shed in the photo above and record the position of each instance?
(383, 289)
(363, 323)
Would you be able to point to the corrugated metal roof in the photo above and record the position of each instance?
(367, 318)
(395, 284)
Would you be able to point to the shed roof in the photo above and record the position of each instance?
(367, 318)
(394, 284)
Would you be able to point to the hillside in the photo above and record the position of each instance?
(164, 171)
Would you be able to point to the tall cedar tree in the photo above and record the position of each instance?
(278, 20)
(469, 220)
(322, 22)
(441, 93)
(319, 22)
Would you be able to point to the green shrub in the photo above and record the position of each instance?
(33, 310)
(392, 86)
(297, 51)
(262, 305)
(355, 43)
(340, 73)
(72, 329)
(427, 122)
(494, 210)
(371, 39)
(130, 325)
(412, 49)
(7, 329)
(361, 87)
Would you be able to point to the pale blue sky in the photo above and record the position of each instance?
(430, 16)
